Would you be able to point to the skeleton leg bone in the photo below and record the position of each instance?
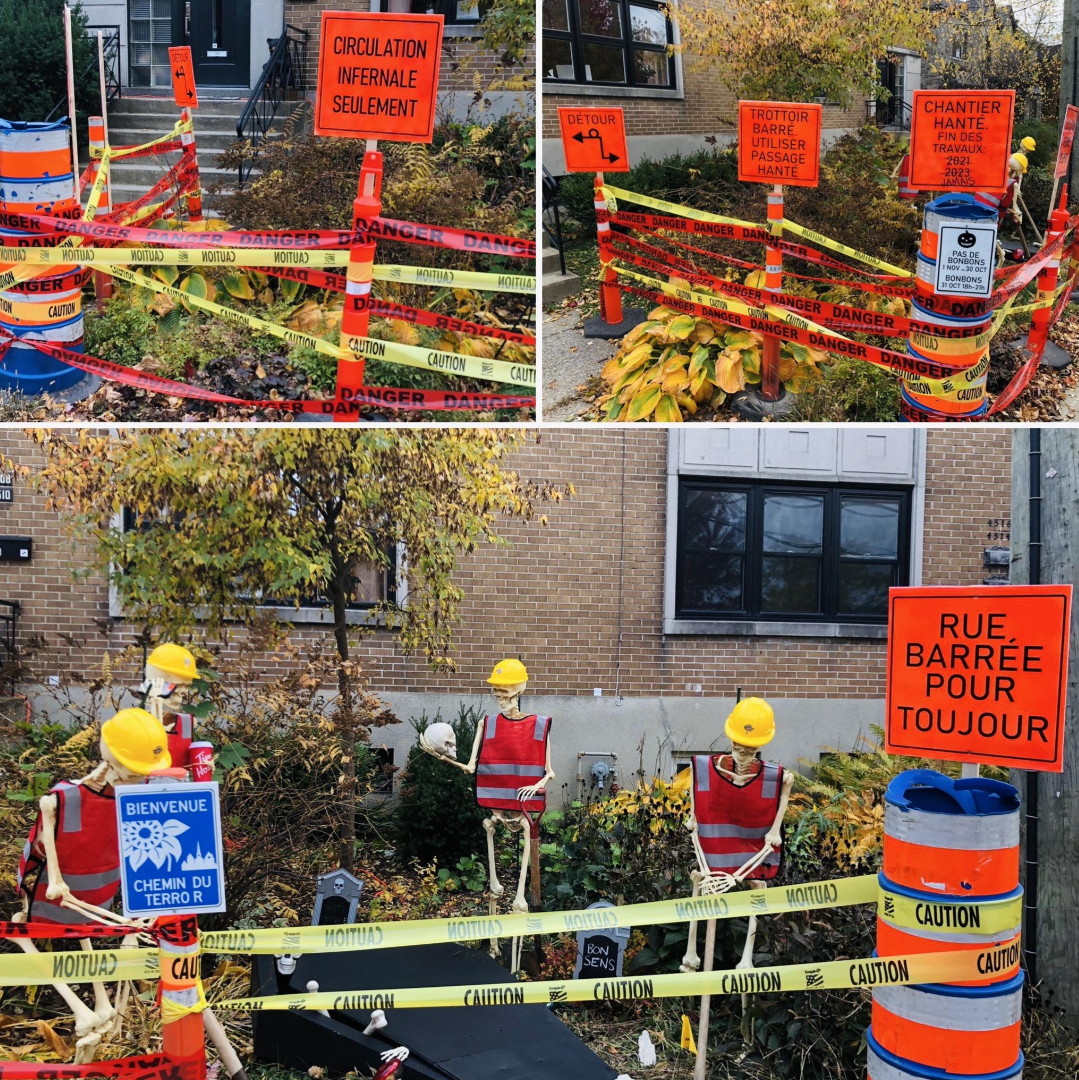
(103, 1009)
(493, 884)
(747, 962)
(691, 961)
(520, 904)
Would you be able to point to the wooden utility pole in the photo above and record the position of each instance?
(1045, 464)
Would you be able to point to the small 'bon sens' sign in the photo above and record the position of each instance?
(979, 673)
(960, 140)
(378, 75)
(594, 140)
(779, 143)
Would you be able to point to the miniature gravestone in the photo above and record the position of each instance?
(600, 952)
(336, 897)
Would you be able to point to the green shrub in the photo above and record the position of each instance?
(32, 65)
(853, 390)
(1046, 134)
(122, 332)
(437, 818)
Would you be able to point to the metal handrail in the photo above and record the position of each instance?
(284, 74)
(110, 44)
(550, 203)
(895, 112)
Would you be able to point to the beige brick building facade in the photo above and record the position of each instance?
(587, 603)
(661, 122)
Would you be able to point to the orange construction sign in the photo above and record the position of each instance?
(594, 140)
(960, 140)
(183, 77)
(378, 75)
(979, 674)
(1067, 138)
(779, 143)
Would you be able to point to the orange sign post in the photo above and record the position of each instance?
(960, 140)
(778, 143)
(979, 674)
(184, 92)
(377, 79)
(1067, 140)
(594, 140)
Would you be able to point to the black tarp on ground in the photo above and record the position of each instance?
(497, 1042)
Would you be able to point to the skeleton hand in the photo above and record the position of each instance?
(717, 883)
(399, 1053)
(774, 839)
(1016, 214)
(530, 792)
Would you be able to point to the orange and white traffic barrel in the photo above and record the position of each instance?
(960, 1030)
(882, 1064)
(951, 331)
(905, 190)
(36, 177)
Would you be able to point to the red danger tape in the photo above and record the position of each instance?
(148, 1067)
(130, 152)
(282, 238)
(857, 350)
(387, 397)
(455, 239)
(59, 930)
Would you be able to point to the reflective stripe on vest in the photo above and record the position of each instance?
(185, 725)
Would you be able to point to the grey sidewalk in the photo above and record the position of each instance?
(569, 360)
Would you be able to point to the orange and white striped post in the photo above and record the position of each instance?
(773, 282)
(194, 198)
(356, 319)
(610, 299)
(1038, 337)
(182, 1032)
(102, 282)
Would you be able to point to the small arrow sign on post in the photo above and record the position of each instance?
(183, 79)
(594, 140)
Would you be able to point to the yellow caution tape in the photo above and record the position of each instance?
(946, 967)
(149, 256)
(176, 1004)
(676, 208)
(181, 128)
(101, 965)
(949, 387)
(932, 345)
(477, 367)
(968, 916)
(45, 311)
(842, 892)
(851, 253)
(462, 279)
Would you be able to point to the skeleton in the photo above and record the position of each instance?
(165, 692)
(709, 882)
(91, 1025)
(440, 740)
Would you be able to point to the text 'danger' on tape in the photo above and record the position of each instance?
(979, 674)
(378, 75)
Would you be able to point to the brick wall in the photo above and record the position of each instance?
(708, 107)
(553, 596)
(462, 58)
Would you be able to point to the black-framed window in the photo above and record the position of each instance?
(790, 551)
(457, 12)
(373, 583)
(607, 43)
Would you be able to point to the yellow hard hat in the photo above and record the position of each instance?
(751, 723)
(1020, 160)
(138, 740)
(1028, 144)
(175, 660)
(508, 673)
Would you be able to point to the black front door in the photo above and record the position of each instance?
(219, 33)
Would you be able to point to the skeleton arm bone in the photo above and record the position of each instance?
(58, 889)
(529, 792)
(775, 833)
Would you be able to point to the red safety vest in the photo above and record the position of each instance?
(733, 821)
(87, 847)
(513, 755)
(180, 740)
(997, 202)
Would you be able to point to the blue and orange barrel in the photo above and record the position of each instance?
(36, 177)
(881, 1064)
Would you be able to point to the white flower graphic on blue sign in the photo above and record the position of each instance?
(154, 841)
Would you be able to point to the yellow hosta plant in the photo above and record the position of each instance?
(673, 363)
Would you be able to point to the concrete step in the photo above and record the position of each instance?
(158, 123)
(206, 141)
(128, 192)
(207, 107)
(551, 262)
(148, 172)
(556, 287)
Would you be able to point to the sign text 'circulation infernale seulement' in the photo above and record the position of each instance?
(378, 75)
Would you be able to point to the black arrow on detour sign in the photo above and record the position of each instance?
(594, 134)
(180, 74)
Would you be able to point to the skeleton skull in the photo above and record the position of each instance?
(441, 739)
(339, 886)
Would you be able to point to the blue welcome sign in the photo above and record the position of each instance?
(171, 857)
